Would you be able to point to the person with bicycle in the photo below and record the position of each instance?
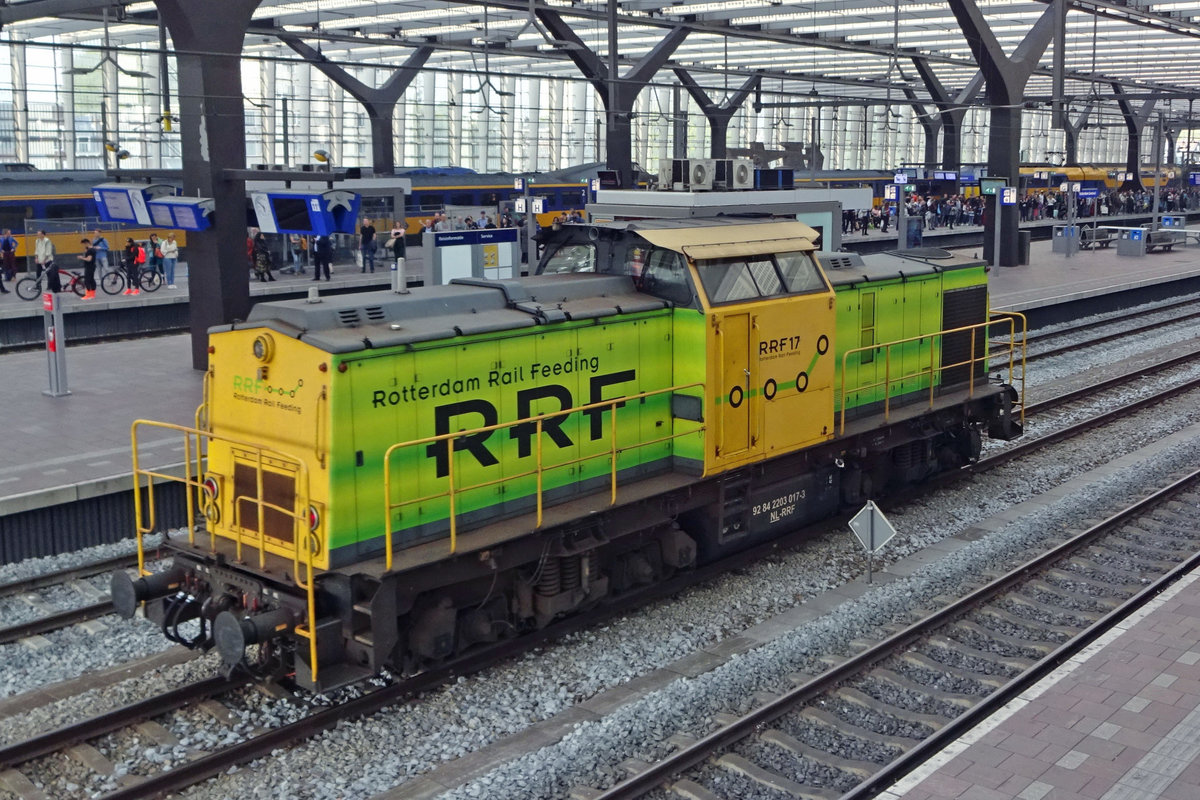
(89, 269)
(43, 256)
(132, 257)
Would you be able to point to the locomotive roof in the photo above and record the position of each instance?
(368, 321)
(848, 269)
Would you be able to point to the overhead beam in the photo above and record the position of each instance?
(36, 9)
(617, 92)
(380, 103)
(1006, 77)
(717, 114)
(1135, 123)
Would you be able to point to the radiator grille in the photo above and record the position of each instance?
(962, 307)
(278, 489)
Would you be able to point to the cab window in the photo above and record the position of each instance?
(571, 258)
(665, 276)
(727, 280)
(800, 273)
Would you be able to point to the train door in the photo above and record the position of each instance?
(733, 340)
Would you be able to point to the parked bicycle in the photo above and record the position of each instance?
(31, 287)
(116, 282)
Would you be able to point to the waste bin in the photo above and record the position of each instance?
(1023, 246)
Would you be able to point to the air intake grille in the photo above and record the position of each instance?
(348, 317)
(374, 313)
(842, 260)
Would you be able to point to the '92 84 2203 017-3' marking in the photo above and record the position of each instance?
(779, 508)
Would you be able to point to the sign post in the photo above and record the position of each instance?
(873, 530)
(898, 183)
(56, 345)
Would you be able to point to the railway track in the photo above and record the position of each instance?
(50, 619)
(1040, 350)
(204, 765)
(855, 729)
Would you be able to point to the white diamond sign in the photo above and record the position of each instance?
(871, 527)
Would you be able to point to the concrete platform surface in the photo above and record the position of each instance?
(1121, 721)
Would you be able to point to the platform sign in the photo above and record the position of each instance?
(539, 205)
(519, 184)
(890, 191)
(1089, 193)
(594, 185)
(1008, 195)
(1194, 178)
(900, 178)
(991, 185)
(873, 530)
(520, 205)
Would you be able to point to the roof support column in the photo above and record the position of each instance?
(555, 148)
(20, 96)
(426, 112)
(1135, 123)
(717, 114)
(213, 140)
(1171, 131)
(455, 117)
(266, 93)
(1071, 130)
(616, 92)
(70, 144)
(1006, 78)
(931, 124)
(952, 109)
(679, 121)
(380, 103)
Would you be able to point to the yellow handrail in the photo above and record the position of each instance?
(193, 487)
(1008, 350)
(539, 469)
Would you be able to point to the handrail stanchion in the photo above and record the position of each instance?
(539, 472)
(887, 383)
(612, 416)
(137, 502)
(450, 475)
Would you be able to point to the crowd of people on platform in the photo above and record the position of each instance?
(440, 223)
(933, 211)
(1110, 202)
(951, 210)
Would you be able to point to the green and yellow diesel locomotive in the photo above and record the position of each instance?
(391, 479)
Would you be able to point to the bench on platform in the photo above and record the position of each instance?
(1091, 238)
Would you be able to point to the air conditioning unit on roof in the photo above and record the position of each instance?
(701, 173)
(743, 174)
(668, 173)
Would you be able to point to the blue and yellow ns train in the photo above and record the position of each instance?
(392, 480)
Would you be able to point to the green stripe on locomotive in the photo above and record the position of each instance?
(889, 306)
(404, 393)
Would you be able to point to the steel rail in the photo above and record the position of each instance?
(69, 735)
(55, 621)
(699, 752)
(64, 575)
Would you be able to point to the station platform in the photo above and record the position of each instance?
(344, 276)
(1120, 721)
(59, 449)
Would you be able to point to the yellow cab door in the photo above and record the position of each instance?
(732, 334)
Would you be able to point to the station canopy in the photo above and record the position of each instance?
(826, 51)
